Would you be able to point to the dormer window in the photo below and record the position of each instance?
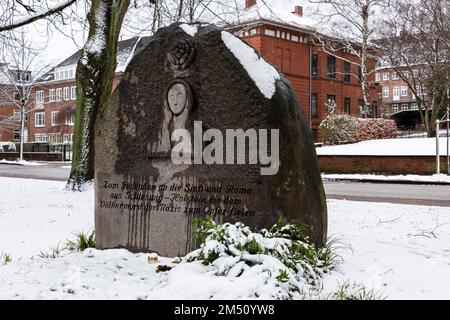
(65, 72)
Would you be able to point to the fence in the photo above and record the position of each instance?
(65, 149)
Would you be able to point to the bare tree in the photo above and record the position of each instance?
(21, 76)
(415, 43)
(353, 22)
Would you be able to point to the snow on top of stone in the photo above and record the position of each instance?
(190, 29)
(279, 12)
(262, 73)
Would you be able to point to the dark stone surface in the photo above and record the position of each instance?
(130, 146)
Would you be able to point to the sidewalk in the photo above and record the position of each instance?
(441, 179)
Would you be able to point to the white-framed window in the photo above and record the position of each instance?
(404, 91)
(17, 115)
(386, 93)
(386, 76)
(65, 72)
(16, 134)
(405, 107)
(39, 97)
(51, 95)
(414, 106)
(58, 94)
(39, 119)
(66, 137)
(70, 120)
(54, 118)
(38, 137)
(295, 38)
(44, 137)
(394, 76)
(66, 93)
(394, 108)
(396, 93)
(416, 73)
(406, 74)
(377, 77)
(73, 93)
(54, 137)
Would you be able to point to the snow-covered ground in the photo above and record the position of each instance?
(21, 163)
(401, 251)
(388, 147)
(437, 178)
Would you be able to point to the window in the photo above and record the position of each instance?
(396, 93)
(44, 137)
(394, 76)
(314, 112)
(314, 65)
(331, 67)
(386, 93)
(73, 93)
(347, 71)
(386, 76)
(70, 120)
(414, 106)
(17, 116)
(377, 77)
(404, 91)
(66, 138)
(54, 137)
(66, 93)
(54, 118)
(51, 95)
(405, 107)
(347, 103)
(269, 32)
(16, 134)
(415, 73)
(65, 72)
(58, 94)
(394, 108)
(39, 97)
(406, 74)
(39, 119)
(38, 138)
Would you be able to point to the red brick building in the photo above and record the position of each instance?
(286, 39)
(398, 101)
(53, 117)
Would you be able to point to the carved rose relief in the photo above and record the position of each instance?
(181, 55)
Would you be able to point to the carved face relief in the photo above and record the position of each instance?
(177, 98)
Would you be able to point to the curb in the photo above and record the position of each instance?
(376, 181)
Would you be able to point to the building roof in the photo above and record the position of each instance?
(125, 51)
(279, 12)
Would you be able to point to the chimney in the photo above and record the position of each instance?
(298, 11)
(249, 3)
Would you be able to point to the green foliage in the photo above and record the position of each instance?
(354, 291)
(81, 242)
(285, 252)
(5, 258)
(53, 254)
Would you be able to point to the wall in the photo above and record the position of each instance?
(32, 156)
(420, 165)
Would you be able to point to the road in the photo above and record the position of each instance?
(429, 195)
(56, 172)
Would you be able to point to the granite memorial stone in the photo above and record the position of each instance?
(200, 124)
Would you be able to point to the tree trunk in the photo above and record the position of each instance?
(95, 74)
(364, 56)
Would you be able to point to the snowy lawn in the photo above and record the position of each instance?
(21, 163)
(437, 178)
(400, 251)
(388, 147)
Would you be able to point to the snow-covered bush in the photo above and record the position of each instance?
(283, 254)
(373, 129)
(338, 128)
(343, 128)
